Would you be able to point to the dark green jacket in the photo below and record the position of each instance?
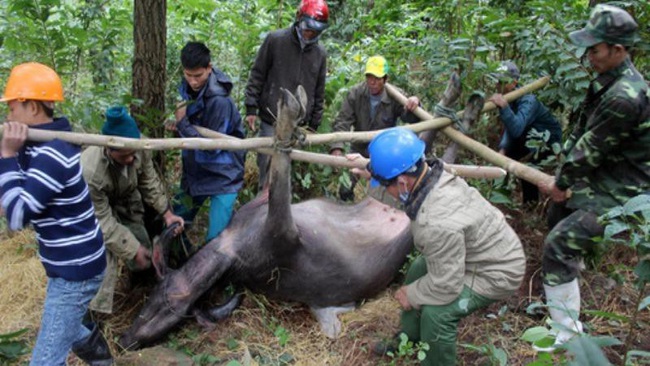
(355, 112)
(608, 153)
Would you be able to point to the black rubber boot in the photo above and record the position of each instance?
(93, 349)
(383, 348)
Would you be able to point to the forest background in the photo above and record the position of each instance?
(98, 47)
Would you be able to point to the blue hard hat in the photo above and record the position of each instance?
(393, 152)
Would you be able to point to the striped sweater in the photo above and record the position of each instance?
(43, 186)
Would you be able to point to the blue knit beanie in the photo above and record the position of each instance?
(120, 123)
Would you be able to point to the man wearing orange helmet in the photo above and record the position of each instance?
(41, 184)
(289, 57)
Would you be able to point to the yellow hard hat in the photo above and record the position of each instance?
(377, 66)
(33, 81)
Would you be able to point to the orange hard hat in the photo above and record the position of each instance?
(33, 81)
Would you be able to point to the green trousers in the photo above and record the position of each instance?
(103, 301)
(140, 232)
(437, 325)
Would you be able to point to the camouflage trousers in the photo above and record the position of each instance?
(569, 240)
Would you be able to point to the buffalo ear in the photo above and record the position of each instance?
(158, 259)
(301, 96)
(160, 252)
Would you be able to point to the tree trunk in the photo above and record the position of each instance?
(149, 68)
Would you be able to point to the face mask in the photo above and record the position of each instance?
(304, 42)
(403, 195)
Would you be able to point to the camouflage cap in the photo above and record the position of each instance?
(607, 24)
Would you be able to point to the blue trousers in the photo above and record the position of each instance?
(221, 207)
(66, 303)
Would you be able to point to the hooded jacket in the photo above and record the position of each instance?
(210, 172)
(282, 63)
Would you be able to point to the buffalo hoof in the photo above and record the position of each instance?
(328, 319)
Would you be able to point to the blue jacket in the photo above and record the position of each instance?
(524, 114)
(43, 186)
(210, 172)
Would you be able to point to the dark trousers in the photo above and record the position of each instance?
(518, 151)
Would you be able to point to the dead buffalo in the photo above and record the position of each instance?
(316, 252)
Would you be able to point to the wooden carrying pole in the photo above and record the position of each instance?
(217, 140)
(264, 144)
(520, 170)
(428, 123)
(467, 171)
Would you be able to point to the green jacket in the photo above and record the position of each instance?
(118, 195)
(608, 154)
(465, 241)
(355, 112)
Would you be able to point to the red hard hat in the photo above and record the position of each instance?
(315, 13)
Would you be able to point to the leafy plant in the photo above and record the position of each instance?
(496, 355)
(406, 349)
(12, 346)
(282, 334)
(582, 349)
(205, 359)
(629, 225)
(500, 316)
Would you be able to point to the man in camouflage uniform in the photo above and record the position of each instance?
(120, 181)
(607, 159)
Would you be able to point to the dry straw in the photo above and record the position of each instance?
(23, 285)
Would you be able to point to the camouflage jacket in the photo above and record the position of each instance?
(608, 154)
(355, 112)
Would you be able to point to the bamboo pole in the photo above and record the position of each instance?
(467, 171)
(428, 123)
(215, 140)
(512, 166)
(264, 144)
(116, 142)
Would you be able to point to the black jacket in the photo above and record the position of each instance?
(281, 63)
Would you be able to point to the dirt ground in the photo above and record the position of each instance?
(262, 332)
